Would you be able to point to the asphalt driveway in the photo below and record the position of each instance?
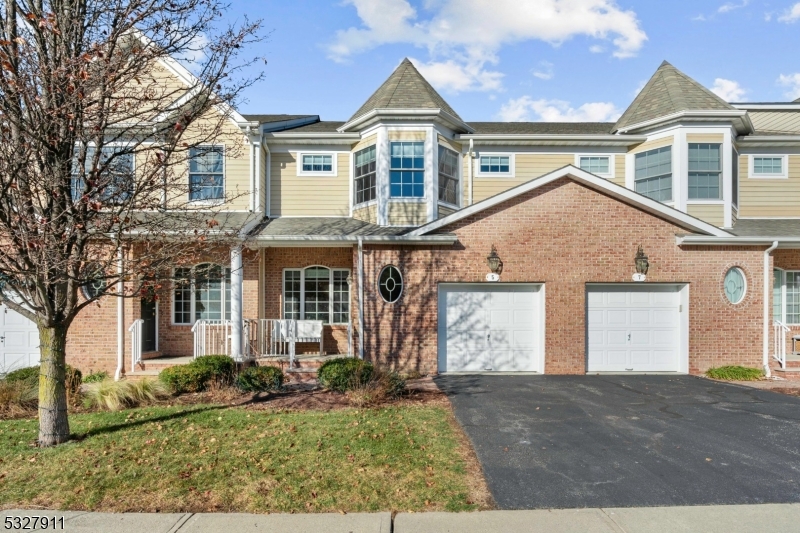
(622, 441)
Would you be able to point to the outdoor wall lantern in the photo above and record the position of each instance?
(642, 265)
(495, 265)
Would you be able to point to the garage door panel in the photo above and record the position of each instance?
(634, 329)
(495, 329)
(19, 346)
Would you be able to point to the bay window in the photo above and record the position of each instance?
(705, 171)
(653, 175)
(448, 176)
(407, 171)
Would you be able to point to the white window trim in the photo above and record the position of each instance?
(744, 278)
(611, 164)
(212, 201)
(751, 158)
(334, 164)
(511, 165)
(192, 295)
(303, 293)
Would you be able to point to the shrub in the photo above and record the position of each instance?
(260, 379)
(381, 387)
(116, 395)
(221, 368)
(96, 377)
(18, 397)
(31, 373)
(344, 373)
(185, 378)
(735, 373)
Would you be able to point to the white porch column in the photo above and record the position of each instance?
(237, 317)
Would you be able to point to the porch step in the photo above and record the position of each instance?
(141, 374)
(160, 363)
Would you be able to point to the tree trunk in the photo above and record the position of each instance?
(53, 422)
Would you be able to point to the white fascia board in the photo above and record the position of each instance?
(336, 240)
(622, 140)
(704, 240)
(777, 106)
(768, 138)
(590, 180)
(311, 138)
(715, 113)
(406, 113)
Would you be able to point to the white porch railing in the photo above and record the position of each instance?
(779, 330)
(266, 337)
(136, 343)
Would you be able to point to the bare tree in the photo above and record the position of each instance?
(86, 96)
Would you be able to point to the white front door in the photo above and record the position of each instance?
(486, 327)
(19, 341)
(634, 329)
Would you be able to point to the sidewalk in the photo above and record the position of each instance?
(775, 518)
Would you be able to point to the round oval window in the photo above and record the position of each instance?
(390, 284)
(95, 285)
(735, 285)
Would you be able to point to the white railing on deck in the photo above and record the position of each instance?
(136, 343)
(779, 330)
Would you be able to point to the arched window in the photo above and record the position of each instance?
(202, 292)
(317, 293)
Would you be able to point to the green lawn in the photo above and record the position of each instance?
(214, 458)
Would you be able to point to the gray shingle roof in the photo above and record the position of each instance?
(189, 221)
(768, 227)
(543, 128)
(322, 226)
(264, 119)
(669, 91)
(323, 126)
(405, 89)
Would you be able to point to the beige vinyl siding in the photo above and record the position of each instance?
(367, 214)
(711, 213)
(363, 143)
(444, 211)
(765, 197)
(456, 147)
(619, 169)
(705, 138)
(293, 195)
(407, 135)
(407, 213)
(651, 145)
(775, 121)
(526, 168)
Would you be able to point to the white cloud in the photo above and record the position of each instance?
(597, 49)
(728, 90)
(699, 18)
(791, 15)
(730, 6)
(792, 81)
(460, 32)
(456, 76)
(195, 52)
(521, 109)
(545, 71)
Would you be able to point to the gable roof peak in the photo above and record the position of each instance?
(667, 92)
(405, 88)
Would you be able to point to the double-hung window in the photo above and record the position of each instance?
(206, 173)
(317, 293)
(448, 176)
(705, 171)
(596, 164)
(407, 172)
(786, 296)
(364, 189)
(111, 180)
(768, 166)
(202, 292)
(653, 176)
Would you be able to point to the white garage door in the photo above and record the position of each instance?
(19, 341)
(490, 327)
(634, 329)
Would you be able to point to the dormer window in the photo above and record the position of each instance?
(407, 172)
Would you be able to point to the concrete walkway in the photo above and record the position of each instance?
(775, 518)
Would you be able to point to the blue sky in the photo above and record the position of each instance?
(519, 59)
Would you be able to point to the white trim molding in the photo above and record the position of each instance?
(784, 174)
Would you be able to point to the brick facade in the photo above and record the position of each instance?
(564, 235)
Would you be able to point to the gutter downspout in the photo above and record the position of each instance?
(360, 298)
(471, 146)
(120, 318)
(767, 286)
(268, 185)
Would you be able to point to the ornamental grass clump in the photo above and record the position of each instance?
(115, 395)
(735, 373)
(18, 397)
(381, 387)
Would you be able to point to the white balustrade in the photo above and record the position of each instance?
(136, 342)
(779, 330)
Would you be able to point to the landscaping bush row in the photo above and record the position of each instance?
(220, 371)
